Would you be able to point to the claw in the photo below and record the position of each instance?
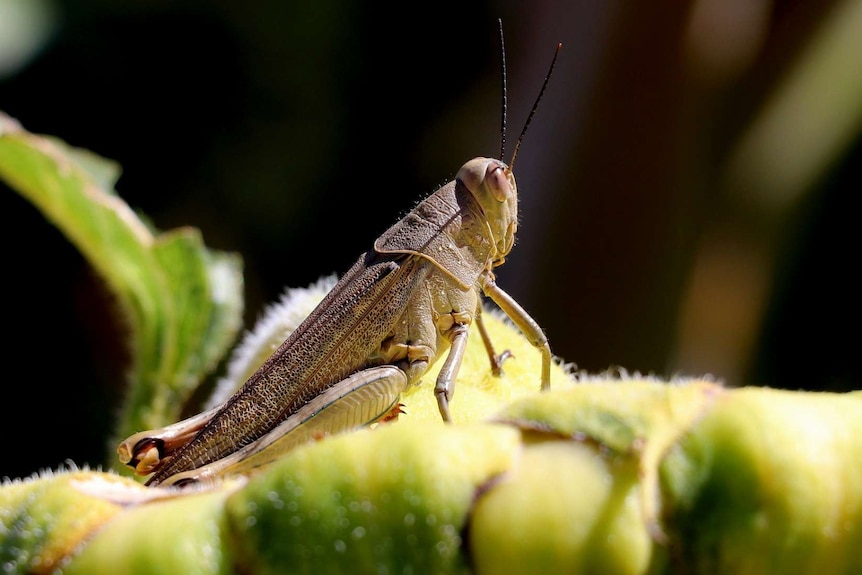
(497, 362)
(392, 415)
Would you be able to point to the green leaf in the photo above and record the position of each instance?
(181, 302)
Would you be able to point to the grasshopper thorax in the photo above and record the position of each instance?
(492, 184)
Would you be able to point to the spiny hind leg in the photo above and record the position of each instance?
(358, 400)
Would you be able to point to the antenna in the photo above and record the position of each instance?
(505, 98)
(535, 104)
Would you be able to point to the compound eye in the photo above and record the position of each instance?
(497, 180)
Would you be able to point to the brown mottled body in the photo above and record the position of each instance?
(403, 304)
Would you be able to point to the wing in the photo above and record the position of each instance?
(334, 341)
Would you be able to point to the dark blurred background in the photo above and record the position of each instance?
(685, 186)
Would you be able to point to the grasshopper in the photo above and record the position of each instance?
(404, 304)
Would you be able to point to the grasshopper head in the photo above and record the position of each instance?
(493, 185)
